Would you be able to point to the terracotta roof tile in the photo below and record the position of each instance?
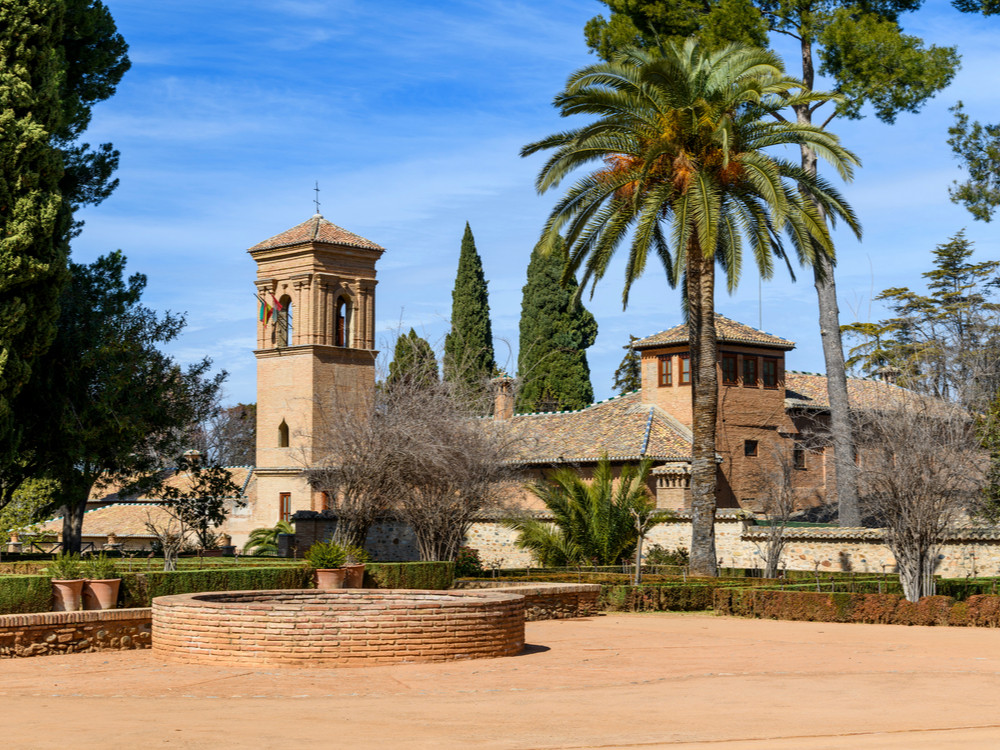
(316, 229)
(728, 332)
(622, 428)
(112, 492)
(808, 390)
(123, 519)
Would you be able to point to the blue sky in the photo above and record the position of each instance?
(411, 116)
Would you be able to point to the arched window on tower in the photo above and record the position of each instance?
(341, 322)
(282, 434)
(284, 326)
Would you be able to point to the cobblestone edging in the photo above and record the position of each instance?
(546, 601)
(347, 627)
(48, 633)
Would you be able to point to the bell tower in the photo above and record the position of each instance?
(315, 351)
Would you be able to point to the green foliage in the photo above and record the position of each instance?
(657, 598)
(142, 588)
(354, 555)
(65, 565)
(433, 576)
(945, 342)
(26, 507)
(468, 564)
(628, 376)
(977, 146)
(555, 332)
(326, 555)
(988, 431)
(413, 361)
(100, 567)
(593, 522)
(468, 349)
(264, 541)
(107, 404)
(25, 594)
(658, 555)
(200, 502)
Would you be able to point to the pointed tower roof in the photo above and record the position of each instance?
(728, 332)
(316, 229)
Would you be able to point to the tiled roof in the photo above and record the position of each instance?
(622, 428)
(123, 520)
(727, 331)
(316, 229)
(111, 492)
(808, 390)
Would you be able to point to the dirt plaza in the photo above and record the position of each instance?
(642, 681)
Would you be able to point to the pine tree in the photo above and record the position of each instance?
(413, 360)
(33, 217)
(468, 349)
(556, 331)
(628, 376)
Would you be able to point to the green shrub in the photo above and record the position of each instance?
(658, 555)
(65, 566)
(435, 576)
(656, 598)
(142, 588)
(24, 594)
(325, 555)
(468, 564)
(100, 568)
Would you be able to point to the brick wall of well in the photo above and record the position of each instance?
(74, 632)
(347, 627)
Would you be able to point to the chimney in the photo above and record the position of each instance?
(888, 374)
(503, 403)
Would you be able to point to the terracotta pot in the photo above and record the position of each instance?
(355, 576)
(331, 578)
(66, 594)
(101, 593)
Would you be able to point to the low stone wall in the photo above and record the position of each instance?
(547, 601)
(74, 632)
(345, 627)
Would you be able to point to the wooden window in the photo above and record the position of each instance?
(666, 371)
(340, 333)
(685, 369)
(327, 502)
(750, 448)
(285, 506)
(729, 369)
(769, 372)
(749, 372)
(282, 434)
(799, 457)
(285, 324)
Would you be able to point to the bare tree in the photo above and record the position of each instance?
(921, 467)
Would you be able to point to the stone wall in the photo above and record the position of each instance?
(73, 632)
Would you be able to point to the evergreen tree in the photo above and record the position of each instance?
(556, 331)
(413, 360)
(468, 349)
(628, 376)
(977, 146)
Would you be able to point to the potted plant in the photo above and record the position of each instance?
(328, 560)
(100, 590)
(67, 585)
(354, 561)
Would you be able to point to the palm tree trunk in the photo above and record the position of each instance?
(705, 405)
(833, 346)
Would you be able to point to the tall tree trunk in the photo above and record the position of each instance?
(833, 348)
(76, 491)
(705, 407)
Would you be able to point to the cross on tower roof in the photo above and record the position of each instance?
(316, 199)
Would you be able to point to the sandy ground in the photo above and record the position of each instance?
(617, 681)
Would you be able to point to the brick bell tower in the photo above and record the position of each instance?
(315, 353)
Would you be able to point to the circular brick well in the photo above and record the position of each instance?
(341, 627)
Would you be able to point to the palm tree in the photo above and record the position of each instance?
(264, 541)
(683, 148)
(593, 522)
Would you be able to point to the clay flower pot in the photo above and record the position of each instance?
(66, 594)
(355, 576)
(101, 593)
(331, 578)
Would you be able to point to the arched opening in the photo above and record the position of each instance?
(284, 326)
(341, 322)
(282, 434)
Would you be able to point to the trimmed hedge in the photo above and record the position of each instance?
(25, 594)
(435, 576)
(139, 589)
(666, 598)
(885, 609)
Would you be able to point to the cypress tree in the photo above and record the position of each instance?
(556, 331)
(628, 376)
(34, 221)
(413, 360)
(468, 349)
